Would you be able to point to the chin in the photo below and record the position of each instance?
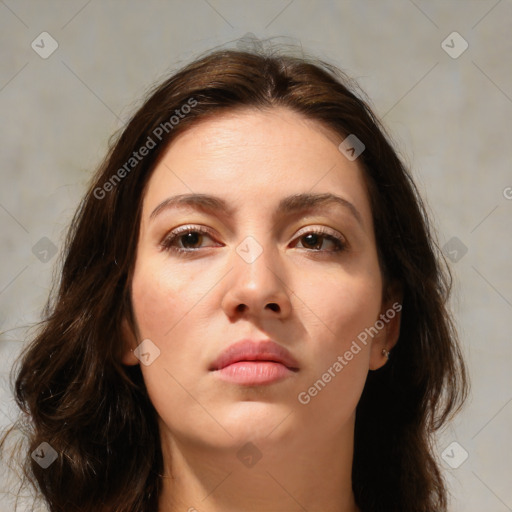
(253, 420)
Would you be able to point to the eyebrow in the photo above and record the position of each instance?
(290, 204)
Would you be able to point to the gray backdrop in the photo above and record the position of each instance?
(438, 72)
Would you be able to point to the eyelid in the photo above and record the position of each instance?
(191, 227)
(322, 229)
(176, 232)
(209, 231)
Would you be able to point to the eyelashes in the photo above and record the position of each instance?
(168, 241)
(316, 238)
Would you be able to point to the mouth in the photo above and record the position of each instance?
(252, 363)
(255, 372)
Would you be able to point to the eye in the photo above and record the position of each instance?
(187, 236)
(188, 240)
(314, 239)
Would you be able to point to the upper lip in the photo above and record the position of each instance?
(249, 350)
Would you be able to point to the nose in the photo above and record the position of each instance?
(257, 285)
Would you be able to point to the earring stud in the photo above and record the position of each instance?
(385, 353)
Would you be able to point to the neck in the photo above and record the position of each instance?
(283, 473)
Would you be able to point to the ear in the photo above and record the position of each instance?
(388, 326)
(130, 344)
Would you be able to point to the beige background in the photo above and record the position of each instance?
(450, 118)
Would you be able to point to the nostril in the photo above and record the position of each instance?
(273, 306)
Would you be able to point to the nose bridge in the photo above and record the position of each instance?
(256, 260)
(257, 280)
(256, 242)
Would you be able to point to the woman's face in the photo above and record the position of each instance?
(264, 267)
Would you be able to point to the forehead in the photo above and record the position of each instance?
(286, 133)
(255, 158)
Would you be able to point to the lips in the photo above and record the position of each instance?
(249, 350)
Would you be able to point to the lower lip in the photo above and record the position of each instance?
(254, 372)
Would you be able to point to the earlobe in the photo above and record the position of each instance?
(386, 339)
(130, 343)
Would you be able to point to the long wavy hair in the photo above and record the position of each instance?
(95, 413)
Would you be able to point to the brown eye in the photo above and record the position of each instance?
(314, 240)
(185, 240)
(190, 238)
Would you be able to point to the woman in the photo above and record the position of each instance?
(251, 313)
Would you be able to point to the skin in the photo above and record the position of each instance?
(188, 307)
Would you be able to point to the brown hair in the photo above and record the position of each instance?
(95, 412)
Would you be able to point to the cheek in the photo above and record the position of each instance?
(158, 300)
(335, 314)
(161, 309)
(168, 311)
(339, 307)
